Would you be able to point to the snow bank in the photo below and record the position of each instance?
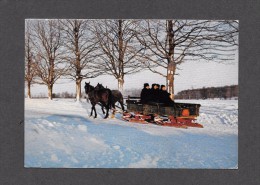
(146, 162)
(60, 133)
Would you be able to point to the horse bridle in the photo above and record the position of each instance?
(88, 88)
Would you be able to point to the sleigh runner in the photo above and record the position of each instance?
(181, 115)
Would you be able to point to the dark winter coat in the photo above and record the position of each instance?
(145, 95)
(155, 95)
(165, 98)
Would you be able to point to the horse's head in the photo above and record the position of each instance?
(88, 87)
(99, 86)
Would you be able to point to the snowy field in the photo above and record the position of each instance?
(61, 134)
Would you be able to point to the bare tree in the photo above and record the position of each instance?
(120, 50)
(30, 70)
(47, 43)
(79, 42)
(171, 42)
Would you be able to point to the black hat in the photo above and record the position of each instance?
(145, 85)
(162, 86)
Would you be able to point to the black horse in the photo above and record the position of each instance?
(116, 96)
(103, 96)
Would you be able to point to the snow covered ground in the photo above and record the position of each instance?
(61, 134)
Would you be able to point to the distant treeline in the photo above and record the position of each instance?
(129, 92)
(59, 95)
(132, 92)
(225, 92)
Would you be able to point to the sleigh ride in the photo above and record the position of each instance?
(180, 115)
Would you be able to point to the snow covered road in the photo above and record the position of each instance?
(60, 133)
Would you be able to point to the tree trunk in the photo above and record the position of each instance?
(78, 65)
(78, 89)
(171, 63)
(50, 91)
(120, 84)
(170, 78)
(120, 57)
(29, 90)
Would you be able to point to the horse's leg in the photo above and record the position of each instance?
(113, 112)
(122, 106)
(113, 107)
(91, 111)
(95, 111)
(107, 107)
(102, 107)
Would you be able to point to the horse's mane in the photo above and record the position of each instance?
(99, 86)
